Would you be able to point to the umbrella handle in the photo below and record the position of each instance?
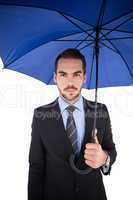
(72, 159)
(78, 171)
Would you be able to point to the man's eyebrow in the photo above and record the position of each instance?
(62, 72)
(79, 71)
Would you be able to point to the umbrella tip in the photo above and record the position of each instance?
(1, 64)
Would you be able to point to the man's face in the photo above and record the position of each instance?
(70, 78)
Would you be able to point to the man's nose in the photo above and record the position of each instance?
(70, 80)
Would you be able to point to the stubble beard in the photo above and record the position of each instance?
(70, 99)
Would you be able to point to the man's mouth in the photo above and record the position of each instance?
(70, 89)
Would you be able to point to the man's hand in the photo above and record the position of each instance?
(94, 156)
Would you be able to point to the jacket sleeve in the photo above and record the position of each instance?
(107, 143)
(36, 163)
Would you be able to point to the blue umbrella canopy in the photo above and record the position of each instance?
(33, 33)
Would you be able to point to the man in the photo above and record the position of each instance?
(64, 127)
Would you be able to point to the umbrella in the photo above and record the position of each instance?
(34, 32)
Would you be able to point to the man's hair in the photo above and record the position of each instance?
(71, 53)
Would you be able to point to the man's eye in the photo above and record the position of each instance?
(62, 74)
(76, 75)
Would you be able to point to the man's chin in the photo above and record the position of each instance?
(70, 97)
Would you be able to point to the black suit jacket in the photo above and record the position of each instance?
(50, 174)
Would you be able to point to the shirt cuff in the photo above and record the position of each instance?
(106, 166)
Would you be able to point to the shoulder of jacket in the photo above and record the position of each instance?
(92, 103)
(46, 106)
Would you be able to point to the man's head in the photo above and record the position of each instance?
(70, 73)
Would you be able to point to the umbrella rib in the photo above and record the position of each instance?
(119, 38)
(6, 58)
(66, 17)
(71, 34)
(86, 46)
(120, 54)
(84, 40)
(122, 31)
(116, 18)
(101, 13)
(117, 26)
(108, 47)
(81, 41)
(61, 40)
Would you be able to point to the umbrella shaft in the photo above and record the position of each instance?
(96, 86)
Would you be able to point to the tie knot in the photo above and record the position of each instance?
(71, 108)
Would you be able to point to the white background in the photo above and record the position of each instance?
(19, 95)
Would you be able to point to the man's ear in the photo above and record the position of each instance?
(54, 77)
(85, 78)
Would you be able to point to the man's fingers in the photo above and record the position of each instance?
(92, 146)
(91, 164)
(90, 157)
(90, 151)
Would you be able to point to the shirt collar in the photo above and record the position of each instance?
(64, 104)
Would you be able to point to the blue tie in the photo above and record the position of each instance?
(71, 128)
